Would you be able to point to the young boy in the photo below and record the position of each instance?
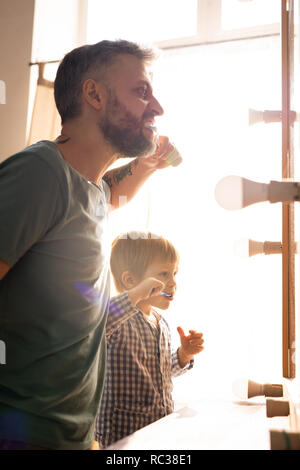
(140, 365)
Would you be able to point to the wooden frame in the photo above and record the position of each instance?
(209, 29)
(288, 240)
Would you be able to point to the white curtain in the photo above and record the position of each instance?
(45, 122)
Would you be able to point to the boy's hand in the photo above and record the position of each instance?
(190, 345)
(147, 288)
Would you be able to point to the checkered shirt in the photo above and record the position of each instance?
(140, 367)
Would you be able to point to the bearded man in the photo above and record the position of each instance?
(53, 238)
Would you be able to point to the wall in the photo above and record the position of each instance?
(59, 26)
(16, 29)
(31, 31)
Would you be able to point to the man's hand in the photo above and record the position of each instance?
(147, 288)
(157, 159)
(125, 181)
(190, 345)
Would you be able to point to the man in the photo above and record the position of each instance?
(53, 211)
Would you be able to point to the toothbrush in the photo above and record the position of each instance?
(161, 293)
(92, 295)
(165, 294)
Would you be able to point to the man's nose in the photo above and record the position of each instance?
(156, 106)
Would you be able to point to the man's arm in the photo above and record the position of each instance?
(27, 208)
(125, 181)
(4, 268)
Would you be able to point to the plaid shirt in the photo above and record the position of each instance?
(140, 366)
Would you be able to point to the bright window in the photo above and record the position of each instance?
(206, 92)
(245, 13)
(137, 20)
(234, 300)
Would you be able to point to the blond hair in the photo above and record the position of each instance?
(136, 251)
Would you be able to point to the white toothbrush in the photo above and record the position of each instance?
(165, 294)
(161, 293)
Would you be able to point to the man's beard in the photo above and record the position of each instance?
(126, 136)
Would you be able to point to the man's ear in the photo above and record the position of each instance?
(128, 280)
(94, 93)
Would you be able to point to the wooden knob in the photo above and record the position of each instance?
(277, 408)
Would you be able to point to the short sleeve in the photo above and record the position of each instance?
(30, 202)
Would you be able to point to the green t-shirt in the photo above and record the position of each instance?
(53, 234)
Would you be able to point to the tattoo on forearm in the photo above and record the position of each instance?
(120, 174)
(108, 180)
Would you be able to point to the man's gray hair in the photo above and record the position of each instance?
(82, 63)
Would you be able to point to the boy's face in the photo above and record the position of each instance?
(166, 273)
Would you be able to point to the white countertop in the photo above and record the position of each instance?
(207, 424)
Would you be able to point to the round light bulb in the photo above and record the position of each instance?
(241, 248)
(240, 388)
(229, 192)
(234, 192)
(244, 248)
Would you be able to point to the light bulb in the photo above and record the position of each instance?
(265, 116)
(241, 248)
(234, 192)
(245, 248)
(245, 388)
(255, 116)
(229, 192)
(240, 388)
